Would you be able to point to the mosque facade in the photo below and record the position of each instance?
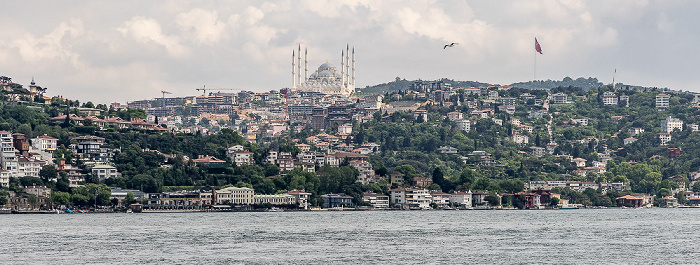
(327, 79)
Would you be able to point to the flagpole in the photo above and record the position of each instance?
(534, 75)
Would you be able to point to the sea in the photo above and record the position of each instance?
(584, 236)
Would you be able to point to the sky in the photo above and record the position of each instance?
(120, 51)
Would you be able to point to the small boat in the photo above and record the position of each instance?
(569, 207)
(69, 211)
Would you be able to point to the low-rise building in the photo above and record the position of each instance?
(379, 201)
(234, 195)
(411, 198)
(336, 200)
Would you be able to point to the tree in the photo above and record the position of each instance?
(47, 173)
(60, 198)
(696, 187)
(129, 199)
(493, 200)
(554, 201)
(438, 177)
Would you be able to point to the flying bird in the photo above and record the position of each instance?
(449, 45)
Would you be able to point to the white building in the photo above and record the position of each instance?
(461, 199)
(376, 200)
(609, 98)
(326, 79)
(670, 124)
(45, 143)
(103, 172)
(234, 195)
(4, 178)
(560, 98)
(29, 167)
(665, 138)
(464, 125)
(7, 157)
(408, 198)
(662, 101)
(455, 115)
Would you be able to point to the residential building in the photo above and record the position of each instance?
(464, 125)
(302, 198)
(447, 150)
(609, 98)
(560, 98)
(455, 115)
(8, 158)
(461, 199)
(103, 172)
(336, 200)
(45, 143)
(664, 137)
(410, 198)
(440, 198)
(662, 101)
(379, 201)
(537, 151)
(670, 124)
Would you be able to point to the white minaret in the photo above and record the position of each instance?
(353, 67)
(306, 64)
(347, 63)
(294, 76)
(299, 72)
(342, 67)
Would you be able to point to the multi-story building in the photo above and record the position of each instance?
(464, 125)
(29, 167)
(45, 143)
(670, 124)
(336, 200)
(461, 199)
(560, 98)
(234, 195)
(8, 158)
(103, 172)
(302, 198)
(408, 198)
(662, 101)
(609, 98)
(376, 200)
(664, 137)
(4, 178)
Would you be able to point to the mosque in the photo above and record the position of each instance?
(327, 79)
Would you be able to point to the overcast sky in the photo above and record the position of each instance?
(119, 51)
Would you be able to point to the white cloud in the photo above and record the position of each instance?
(52, 46)
(202, 25)
(148, 30)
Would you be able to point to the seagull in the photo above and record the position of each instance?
(449, 45)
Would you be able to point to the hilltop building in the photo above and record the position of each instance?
(327, 79)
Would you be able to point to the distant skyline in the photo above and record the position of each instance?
(119, 51)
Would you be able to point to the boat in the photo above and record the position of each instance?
(568, 207)
(69, 211)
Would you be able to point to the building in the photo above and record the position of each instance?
(629, 201)
(537, 151)
(662, 101)
(664, 138)
(609, 98)
(464, 125)
(336, 200)
(410, 198)
(560, 98)
(455, 115)
(8, 159)
(275, 199)
(302, 198)
(45, 143)
(103, 172)
(234, 195)
(670, 124)
(327, 79)
(461, 199)
(379, 201)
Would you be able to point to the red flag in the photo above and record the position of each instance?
(537, 46)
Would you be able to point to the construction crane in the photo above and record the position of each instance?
(164, 92)
(204, 89)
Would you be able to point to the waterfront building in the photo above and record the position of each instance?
(275, 199)
(336, 200)
(461, 199)
(379, 201)
(234, 195)
(408, 198)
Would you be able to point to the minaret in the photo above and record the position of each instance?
(306, 64)
(347, 63)
(299, 73)
(342, 67)
(294, 76)
(353, 67)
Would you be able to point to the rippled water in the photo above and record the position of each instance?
(607, 236)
